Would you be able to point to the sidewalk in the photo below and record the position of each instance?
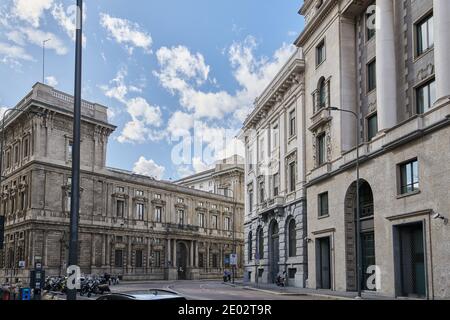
(289, 291)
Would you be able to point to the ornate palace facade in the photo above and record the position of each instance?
(130, 225)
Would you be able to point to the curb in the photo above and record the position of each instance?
(298, 294)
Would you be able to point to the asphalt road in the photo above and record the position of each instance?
(208, 290)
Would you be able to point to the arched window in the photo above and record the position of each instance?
(250, 246)
(322, 94)
(260, 240)
(292, 239)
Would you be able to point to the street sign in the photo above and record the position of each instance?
(233, 259)
(21, 264)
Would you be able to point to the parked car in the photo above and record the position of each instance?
(144, 295)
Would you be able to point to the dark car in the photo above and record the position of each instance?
(152, 294)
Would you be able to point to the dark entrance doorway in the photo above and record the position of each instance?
(410, 260)
(274, 250)
(182, 257)
(367, 236)
(323, 263)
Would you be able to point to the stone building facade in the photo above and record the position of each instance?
(225, 178)
(275, 215)
(130, 225)
(395, 78)
(377, 73)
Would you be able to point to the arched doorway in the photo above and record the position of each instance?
(182, 259)
(367, 236)
(274, 249)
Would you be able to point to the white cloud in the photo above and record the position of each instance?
(145, 118)
(199, 165)
(148, 168)
(31, 11)
(178, 63)
(180, 124)
(67, 19)
(12, 53)
(184, 171)
(126, 32)
(118, 89)
(139, 108)
(36, 37)
(51, 81)
(181, 72)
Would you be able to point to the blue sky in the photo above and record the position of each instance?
(171, 72)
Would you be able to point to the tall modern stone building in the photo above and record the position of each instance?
(384, 65)
(130, 225)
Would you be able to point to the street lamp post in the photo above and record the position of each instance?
(358, 219)
(75, 187)
(43, 59)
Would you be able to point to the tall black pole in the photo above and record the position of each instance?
(75, 187)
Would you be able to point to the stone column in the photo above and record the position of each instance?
(348, 84)
(129, 253)
(386, 66)
(92, 251)
(441, 14)
(174, 252)
(191, 261)
(169, 255)
(196, 254)
(104, 250)
(283, 137)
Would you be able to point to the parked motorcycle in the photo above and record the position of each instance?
(281, 279)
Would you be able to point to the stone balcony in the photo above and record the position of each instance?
(320, 118)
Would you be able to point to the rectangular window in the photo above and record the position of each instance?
(26, 151)
(261, 192)
(158, 214)
(372, 126)
(118, 258)
(214, 222)
(250, 160)
(201, 260)
(250, 200)
(120, 190)
(292, 123)
(276, 184)
(140, 211)
(320, 53)
(201, 220)
(180, 200)
(8, 159)
(69, 150)
(16, 154)
(261, 149)
(68, 202)
(292, 180)
(139, 259)
(424, 35)
(139, 193)
(227, 224)
(425, 97)
(157, 258)
(372, 76)
(370, 25)
(275, 135)
(157, 196)
(323, 204)
(321, 149)
(181, 217)
(215, 260)
(23, 200)
(409, 177)
(120, 208)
